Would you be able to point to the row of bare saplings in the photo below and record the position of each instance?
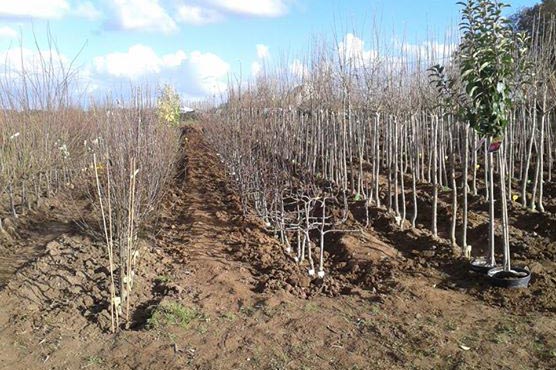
(35, 157)
(116, 157)
(295, 166)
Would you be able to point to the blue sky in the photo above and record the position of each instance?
(197, 44)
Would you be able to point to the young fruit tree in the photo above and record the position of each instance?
(490, 70)
(168, 106)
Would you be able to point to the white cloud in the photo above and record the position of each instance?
(31, 61)
(263, 55)
(194, 74)
(259, 8)
(352, 51)
(197, 15)
(7, 33)
(210, 71)
(201, 12)
(34, 64)
(142, 15)
(262, 51)
(87, 10)
(428, 50)
(138, 61)
(256, 69)
(42, 9)
(174, 60)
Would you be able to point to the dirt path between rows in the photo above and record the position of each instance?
(200, 229)
(215, 291)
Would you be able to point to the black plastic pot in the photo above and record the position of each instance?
(480, 265)
(517, 277)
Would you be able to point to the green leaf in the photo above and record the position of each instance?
(466, 73)
(484, 65)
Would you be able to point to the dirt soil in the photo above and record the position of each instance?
(216, 291)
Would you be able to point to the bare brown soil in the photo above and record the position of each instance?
(392, 299)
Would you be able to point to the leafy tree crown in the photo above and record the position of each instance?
(491, 65)
(168, 106)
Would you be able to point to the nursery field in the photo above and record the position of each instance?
(393, 209)
(215, 290)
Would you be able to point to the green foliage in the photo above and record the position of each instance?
(491, 65)
(229, 316)
(171, 313)
(168, 106)
(93, 361)
(162, 279)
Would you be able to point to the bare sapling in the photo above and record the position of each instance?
(137, 152)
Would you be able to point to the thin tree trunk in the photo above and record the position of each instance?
(490, 173)
(525, 178)
(465, 247)
(435, 178)
(454, 190)
(504, 199)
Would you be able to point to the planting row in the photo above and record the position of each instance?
(353, 129)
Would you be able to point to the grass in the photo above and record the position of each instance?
(162, 279)
(93, 361)
(171, 336)
(279, 362)
(375, 309)
(504, 331)
(248, 311)
(451, 325)
(203, 329)
(229, 316)
(364, 323)
(470, 341)
(171, 313)
(271, 311)
(544, 352)
(311, 307)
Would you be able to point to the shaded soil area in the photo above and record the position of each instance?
(216, 291)
(532, 243)
(24, 238)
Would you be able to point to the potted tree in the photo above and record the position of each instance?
(490, 69)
